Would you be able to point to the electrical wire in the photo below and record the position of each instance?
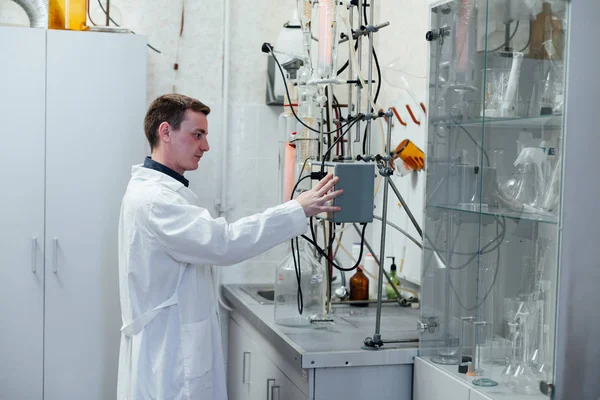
(528, 40)
(493, 280)
(322, 252)
(505, 44)
(113, 21)
(347, 63)
(297, 266)
(487, 158)
(270, 48)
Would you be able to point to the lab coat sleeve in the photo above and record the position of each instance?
(189, 234)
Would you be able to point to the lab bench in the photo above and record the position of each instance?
(268, 361)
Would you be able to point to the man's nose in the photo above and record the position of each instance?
(204, 145)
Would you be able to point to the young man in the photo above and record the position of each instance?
(171, 343)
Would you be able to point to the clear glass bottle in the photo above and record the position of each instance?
(287, 297)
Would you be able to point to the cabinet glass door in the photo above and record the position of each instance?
(495, 138)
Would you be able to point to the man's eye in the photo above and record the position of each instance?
(198, 135)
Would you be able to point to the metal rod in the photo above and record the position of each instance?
(402, 231)
(401, 341)
(377, 335)
(387, 276)
(107, 12)
(349, 150)
(401, 200)
(370, 82)
(359, 60)
(343, 302)
(320, 154)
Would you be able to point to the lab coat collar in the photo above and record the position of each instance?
(140, 172)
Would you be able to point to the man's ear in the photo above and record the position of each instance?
(164, 132)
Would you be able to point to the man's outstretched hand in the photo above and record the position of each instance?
(318, 199)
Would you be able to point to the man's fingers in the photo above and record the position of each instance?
(328, 186)
(330, 209)
(323, 181)
(332, 195)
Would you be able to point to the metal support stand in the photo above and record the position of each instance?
(376, 342)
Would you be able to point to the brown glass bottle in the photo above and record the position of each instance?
(359, 288)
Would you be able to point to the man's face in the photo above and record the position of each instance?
(189, 142)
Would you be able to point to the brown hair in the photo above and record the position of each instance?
(169, 108)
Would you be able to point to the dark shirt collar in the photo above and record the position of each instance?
(155, 165)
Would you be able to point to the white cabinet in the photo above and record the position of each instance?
(22, 105)
(433, 384)
(73, 106)
(251, 374)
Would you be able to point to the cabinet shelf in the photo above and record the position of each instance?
(545, 121)
(495, 212)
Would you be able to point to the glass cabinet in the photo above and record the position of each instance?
(493, 196)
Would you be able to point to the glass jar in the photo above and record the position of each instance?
(67, 14)
(288, 298)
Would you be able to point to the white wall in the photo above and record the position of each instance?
(252, 126)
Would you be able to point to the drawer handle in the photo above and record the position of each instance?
(246, 368)
(275, 393)
(55, 255)
(270, 386)
(33, 254)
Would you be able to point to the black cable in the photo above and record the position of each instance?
(487, 158)
(327, 153)
(347, 63)
(322, 252)
(338, 113)
(270, 48)
(374, 57)
(493, 281)
(297, 266)
(113, 21)
(528, 40)
(509, 39)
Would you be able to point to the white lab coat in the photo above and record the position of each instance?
(171, 337)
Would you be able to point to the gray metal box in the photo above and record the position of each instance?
(358, 181)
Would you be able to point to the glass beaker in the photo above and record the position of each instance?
(288, 297)
(483, 373)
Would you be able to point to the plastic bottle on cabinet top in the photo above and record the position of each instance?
(286, 288)
(67, 14)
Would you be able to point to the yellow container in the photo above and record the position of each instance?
(67, 14)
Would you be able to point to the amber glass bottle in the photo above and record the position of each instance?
(359, 288)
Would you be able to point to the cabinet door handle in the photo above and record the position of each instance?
(275, 393)
(33, 254)
(55, 255)
(270, 385)
(246, 368)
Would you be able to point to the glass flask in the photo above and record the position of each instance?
(524, 379)
(312, 284)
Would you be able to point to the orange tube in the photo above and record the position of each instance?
(412, 115)
(288, 172)
(398, 116)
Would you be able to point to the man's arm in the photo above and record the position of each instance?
(189, 233)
